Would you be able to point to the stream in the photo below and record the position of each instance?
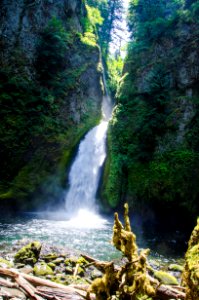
(86, 232)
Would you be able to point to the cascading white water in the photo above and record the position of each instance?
(85, 172)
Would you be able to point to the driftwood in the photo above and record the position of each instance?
(22, 283)
(24, 280)
(7, 283)
(54, 293)
(100, 265)
(132, 277)
(162, 291)
(167, 292)
(5, 294)
(76, 270)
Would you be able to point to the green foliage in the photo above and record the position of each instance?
(89, 39)
(92, 20)
(52, 48)
(90, 23)
(195, 10)
(110, 13)
(115, 67)
(161, 179)
(94, 16)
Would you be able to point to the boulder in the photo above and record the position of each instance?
(165, 278)
(42, 269)
(29, 253)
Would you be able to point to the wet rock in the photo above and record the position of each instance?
(165, 278)
(96, 274)
(155, 264)
(29, 253)
(42, 269)
(72, 261)
(58, 261)
(68, 279)
(63, 279)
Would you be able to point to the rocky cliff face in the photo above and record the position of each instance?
(153, 137)
(51, 95)
(23, 21)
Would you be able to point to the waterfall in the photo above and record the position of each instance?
(85, 172)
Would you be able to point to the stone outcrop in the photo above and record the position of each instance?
(34, 165)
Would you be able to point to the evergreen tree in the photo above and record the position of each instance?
(111, 12)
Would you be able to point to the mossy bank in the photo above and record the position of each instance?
(153, 160)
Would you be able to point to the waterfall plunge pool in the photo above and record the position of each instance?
(87, 232)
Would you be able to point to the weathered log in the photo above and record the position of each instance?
(5, 294)
(100, 265)
(44, 295)
(7, 283)
(83, 287)
(9, 272)
(18, 277)
(47, 283)
(166, 292)
(90, 259)
(36, 281)
(52, 293)
(30, 290)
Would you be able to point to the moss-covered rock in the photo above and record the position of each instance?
(42, 269)
(175, 268)
(165, 278)
(72, 261)
(50, 257)
(5, 263)
(29, 253)
(82, 261)
(191, 269)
